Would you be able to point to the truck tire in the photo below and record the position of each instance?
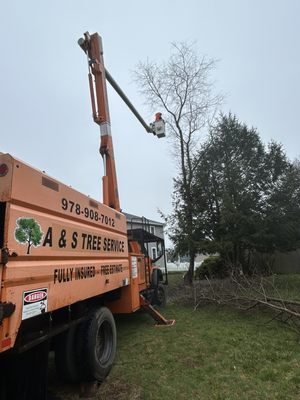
(156, 277)
(97, 344)
(66, 358)
(160, 296)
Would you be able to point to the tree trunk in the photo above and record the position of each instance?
(189, 275)
(28, 248)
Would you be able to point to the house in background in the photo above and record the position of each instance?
(134, 222)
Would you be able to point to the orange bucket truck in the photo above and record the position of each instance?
(68, 263)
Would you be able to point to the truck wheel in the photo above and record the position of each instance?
(156, 277)
(98, 344)
(160, 296)
(66, 360)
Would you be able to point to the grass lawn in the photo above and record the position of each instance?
(208, 354)
(211, 353)
(287, 286)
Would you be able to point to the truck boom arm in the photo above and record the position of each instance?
(92, 46)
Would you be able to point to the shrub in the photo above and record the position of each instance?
(213, 267)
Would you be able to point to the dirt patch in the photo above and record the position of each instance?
(111, 389)
(117, 389)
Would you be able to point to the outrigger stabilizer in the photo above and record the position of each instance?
(157, 316)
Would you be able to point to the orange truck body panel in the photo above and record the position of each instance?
(76, 249)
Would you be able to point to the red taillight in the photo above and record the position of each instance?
(3, 169)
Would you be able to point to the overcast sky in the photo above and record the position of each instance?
(44, 100)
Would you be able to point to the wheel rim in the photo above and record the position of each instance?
(104, 343)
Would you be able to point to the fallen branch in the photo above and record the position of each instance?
(246, 294)
(291, 302)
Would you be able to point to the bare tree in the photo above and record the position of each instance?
(183, 88)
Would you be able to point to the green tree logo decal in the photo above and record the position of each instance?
(28, 232)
